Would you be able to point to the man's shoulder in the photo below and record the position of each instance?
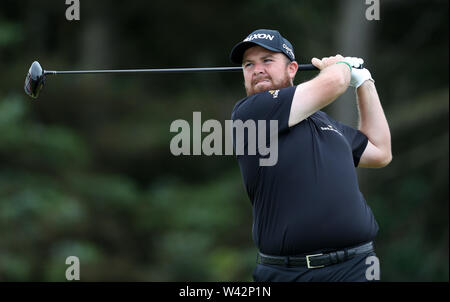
(243, 104)
(240, 103)
(237, 107)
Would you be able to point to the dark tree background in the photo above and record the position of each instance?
(86, 170)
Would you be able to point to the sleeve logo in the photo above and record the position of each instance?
(331, 128)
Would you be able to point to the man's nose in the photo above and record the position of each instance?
(258, 68)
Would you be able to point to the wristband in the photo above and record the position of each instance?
(348, 64)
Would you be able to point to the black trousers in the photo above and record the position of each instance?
(352, 270)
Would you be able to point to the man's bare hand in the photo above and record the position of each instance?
(327, 61)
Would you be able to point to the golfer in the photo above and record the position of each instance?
(310, 221)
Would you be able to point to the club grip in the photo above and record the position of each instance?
(302, 67)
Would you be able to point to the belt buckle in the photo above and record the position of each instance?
(308, 264)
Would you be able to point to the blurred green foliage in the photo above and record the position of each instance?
(86, 170)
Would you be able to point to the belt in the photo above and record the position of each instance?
(316, 260)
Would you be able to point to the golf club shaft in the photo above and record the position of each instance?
(165, 70)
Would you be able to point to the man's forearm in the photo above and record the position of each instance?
(372, 121)
(313, 95)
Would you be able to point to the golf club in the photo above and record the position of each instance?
(36, 76)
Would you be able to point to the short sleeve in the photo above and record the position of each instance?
(357, 140)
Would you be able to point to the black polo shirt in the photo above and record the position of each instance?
(309, 200)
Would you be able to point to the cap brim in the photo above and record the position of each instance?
(238, 50)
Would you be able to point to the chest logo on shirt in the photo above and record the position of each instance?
(274, 93)
(331, 128)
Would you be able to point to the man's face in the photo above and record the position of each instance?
(266, 70)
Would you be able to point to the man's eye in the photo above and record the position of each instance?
(247, 65)
(267, 60)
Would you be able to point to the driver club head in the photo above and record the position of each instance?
(35, 80)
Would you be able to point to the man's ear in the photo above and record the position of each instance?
(292, 69)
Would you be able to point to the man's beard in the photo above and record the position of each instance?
(283, 83)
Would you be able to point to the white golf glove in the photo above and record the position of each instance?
(359, 76)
